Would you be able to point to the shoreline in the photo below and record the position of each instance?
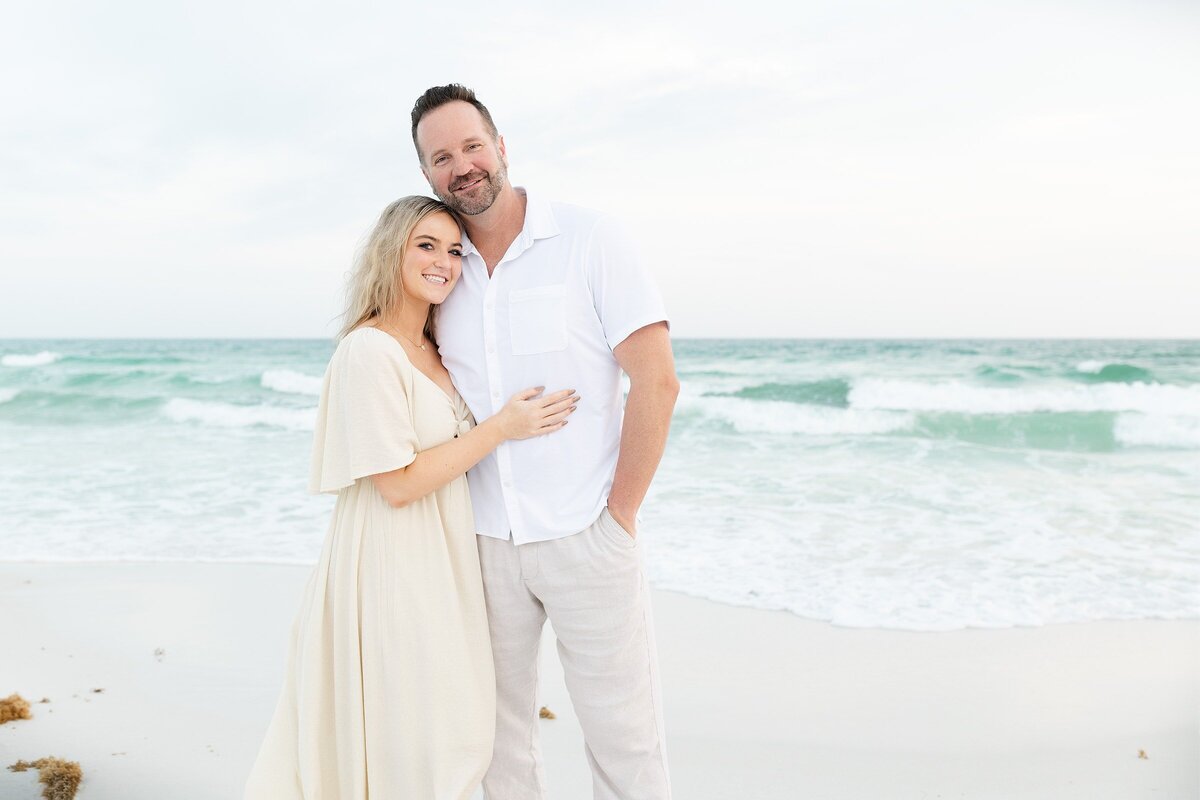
(171, 562)
(761, 704)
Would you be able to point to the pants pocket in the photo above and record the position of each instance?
(613, 530)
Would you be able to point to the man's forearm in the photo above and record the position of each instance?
(643, 439)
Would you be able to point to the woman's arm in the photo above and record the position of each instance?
(523, 416)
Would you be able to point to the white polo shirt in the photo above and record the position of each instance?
(570, 288)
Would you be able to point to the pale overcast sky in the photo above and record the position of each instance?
(816, 169)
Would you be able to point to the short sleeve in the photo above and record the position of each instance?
(364, 420)
(623, 290)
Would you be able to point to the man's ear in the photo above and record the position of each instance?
(421, 161)
(503, 152)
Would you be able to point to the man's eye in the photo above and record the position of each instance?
(474, 146)
(440, 160)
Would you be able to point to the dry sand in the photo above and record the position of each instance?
(759, 704)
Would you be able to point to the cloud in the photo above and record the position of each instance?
(847, 166)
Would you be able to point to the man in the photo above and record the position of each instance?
(555, 295)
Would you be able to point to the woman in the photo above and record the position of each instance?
(389, 687)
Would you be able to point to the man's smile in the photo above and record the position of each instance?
(469, 186)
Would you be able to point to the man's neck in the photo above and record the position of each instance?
(495, 229)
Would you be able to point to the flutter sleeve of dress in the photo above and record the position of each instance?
(364, 420)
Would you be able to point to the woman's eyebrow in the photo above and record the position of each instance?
(435, 239)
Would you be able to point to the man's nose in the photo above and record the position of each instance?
(462, 166)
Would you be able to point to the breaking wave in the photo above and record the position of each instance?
(225, 415)
(25, 360)
(288, 382)
(964, 398)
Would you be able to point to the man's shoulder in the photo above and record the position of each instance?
(597, 233)
(574, 219)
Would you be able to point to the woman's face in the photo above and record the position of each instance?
(432, 259)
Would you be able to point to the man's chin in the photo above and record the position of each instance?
(471, 208)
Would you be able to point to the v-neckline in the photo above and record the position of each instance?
(417, 369)
(432, 382)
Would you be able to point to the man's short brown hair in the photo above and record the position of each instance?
(438, 96)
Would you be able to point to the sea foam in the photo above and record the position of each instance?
(776, 416)
(908, 395)
(1156, 430)
(8, 394)
(36, 360)
(225, 415)
(288, 382)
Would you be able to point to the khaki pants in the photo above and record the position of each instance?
(592, 588)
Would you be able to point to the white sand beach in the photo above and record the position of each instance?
(161, 678)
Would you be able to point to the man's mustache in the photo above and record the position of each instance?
(469, 178)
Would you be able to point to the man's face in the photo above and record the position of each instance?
(464, 165)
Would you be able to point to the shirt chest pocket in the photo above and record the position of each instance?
(537, 319)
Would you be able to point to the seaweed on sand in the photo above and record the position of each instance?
(14, 707)
(62, 778)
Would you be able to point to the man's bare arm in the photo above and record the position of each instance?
(646, 358)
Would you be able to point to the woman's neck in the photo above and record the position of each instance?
(408, 321)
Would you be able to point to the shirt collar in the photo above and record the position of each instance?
(539, 221)
(539, 217)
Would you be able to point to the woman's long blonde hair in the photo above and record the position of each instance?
(373, 287)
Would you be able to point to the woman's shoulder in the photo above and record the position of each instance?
(367, 341)
(367, 347)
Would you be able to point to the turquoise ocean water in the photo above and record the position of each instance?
(921, 485)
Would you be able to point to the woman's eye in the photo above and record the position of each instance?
(456, 252)
(425, 246)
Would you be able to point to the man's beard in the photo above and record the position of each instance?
(483, 195)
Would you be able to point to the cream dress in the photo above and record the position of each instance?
(390, 690)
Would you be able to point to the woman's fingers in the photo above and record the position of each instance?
(556, 397)
(554, 419)
(530, 393)
(547, 413)
(561, 405)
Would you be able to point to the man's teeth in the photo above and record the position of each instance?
(438, 279)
